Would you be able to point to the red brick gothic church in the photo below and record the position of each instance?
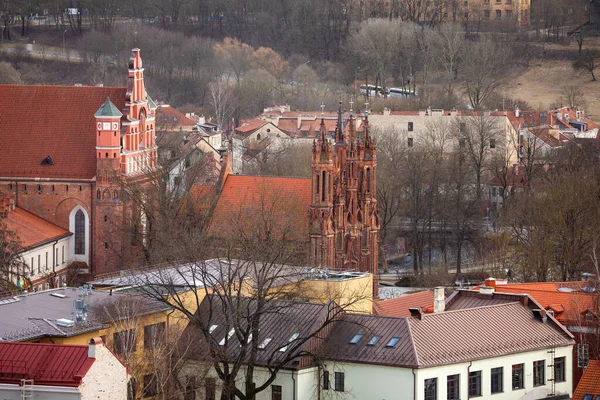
(65, 153)
(334, 212)
(344, 218)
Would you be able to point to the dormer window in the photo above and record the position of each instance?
(290, 340)
(212, 328)
(356, 338)
(373, 340)
(47, 161)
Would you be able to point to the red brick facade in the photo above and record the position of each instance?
(344, 218)
(49, 173)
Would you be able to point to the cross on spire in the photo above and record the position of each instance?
(351, 103)
(366, 106)
(322, 109)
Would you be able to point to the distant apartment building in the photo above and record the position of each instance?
(467, 12)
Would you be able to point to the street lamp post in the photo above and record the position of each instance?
(64, 45)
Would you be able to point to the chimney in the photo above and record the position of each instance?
(490, 282)
(540, 315)
(517, 112)
(416, 313)
(226, 169)
(439, 303)
(525, 300)
(92, 346)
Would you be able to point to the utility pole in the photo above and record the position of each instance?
(64, 43)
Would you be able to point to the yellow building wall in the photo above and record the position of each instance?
(353, 295)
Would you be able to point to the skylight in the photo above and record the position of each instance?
(393, 341)
(229, 335)
(356, 338)
(374, 340)
(290, 340)
(212, 328)
(264, 343)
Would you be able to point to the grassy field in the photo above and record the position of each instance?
(541, 83)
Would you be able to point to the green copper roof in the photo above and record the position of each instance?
(151, 102)
(108, 109)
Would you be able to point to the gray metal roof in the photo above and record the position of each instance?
(34, 315)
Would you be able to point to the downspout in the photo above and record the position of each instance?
(91, 241)
(294, 379)
(414, 384)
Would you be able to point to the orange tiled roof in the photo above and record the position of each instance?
(173, 116)
(590, 381)
(251, 125)
(398, 307)
(248, 203)
(32, 230)
(55, 121)
(548, 296)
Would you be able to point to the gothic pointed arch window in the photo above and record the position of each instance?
(79, 232)
(98, 194)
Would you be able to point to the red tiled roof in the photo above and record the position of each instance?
(274, 203)
(398, 307)
(46, 364)
(590, 381)
(170, 113)
(55, 121)
(574, 303)
(251, 125)
(32, 230)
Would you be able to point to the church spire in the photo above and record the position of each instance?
(339, 129)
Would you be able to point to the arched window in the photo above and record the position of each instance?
(258, 137)
(79, 232)
(98, 194)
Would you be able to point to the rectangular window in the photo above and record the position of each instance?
(56, 258)
(356, 338)
(325, 380)
(539, 378)
(559, 369)
(430, 389)
(486, 14)
(508, 12)
(373, 340)
(410, 126)
(453, 387)
(517, 376)
(276, 392)
(393, 341)
(496, 380)
(154, 335)
(492, 143)
(46, 264)
(39, 264)
(498, 14)
(63, 254)
(210, 389)
(475, 384)
(124, 341)
(410, 142)
(583, 355)
(339, 381)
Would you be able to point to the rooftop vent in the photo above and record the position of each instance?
(566, 289)
(47, 161)
(486, 290)
(64, 322)
(59, 295)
